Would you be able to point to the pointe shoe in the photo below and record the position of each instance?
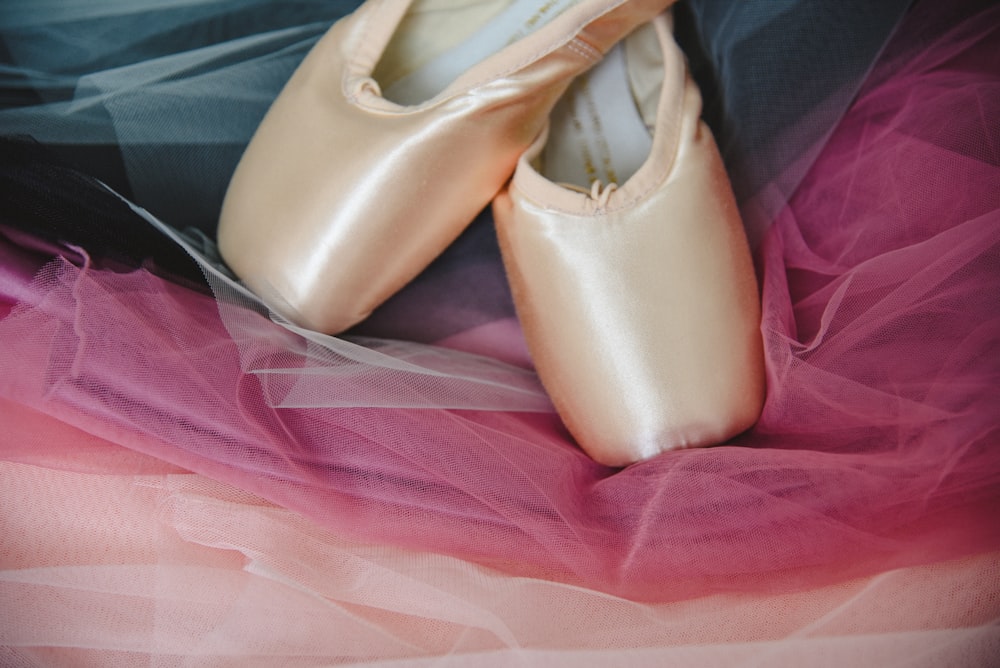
(638, 299)
(345, 194)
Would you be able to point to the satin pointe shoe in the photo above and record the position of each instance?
(629, 265)
(345, 194)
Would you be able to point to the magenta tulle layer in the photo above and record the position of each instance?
(879, 445)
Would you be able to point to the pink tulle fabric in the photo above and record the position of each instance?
(111, 558)
(185, 481)
(106, 566)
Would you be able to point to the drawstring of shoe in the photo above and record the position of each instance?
(367, 85)
(601, 193)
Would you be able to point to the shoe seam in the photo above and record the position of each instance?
(583, 48)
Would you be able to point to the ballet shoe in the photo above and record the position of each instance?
(346, 193)
(637, 295)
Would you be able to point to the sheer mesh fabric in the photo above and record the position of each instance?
(168, 568)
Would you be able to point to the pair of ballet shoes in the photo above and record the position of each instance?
(638, 301)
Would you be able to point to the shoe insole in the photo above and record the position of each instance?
(596, 131)
(519, 19)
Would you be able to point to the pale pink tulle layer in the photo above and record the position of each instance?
(132, 562)
(879, 446)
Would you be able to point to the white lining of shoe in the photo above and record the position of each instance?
(597, 131)
(416, 67)
(677, 112)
